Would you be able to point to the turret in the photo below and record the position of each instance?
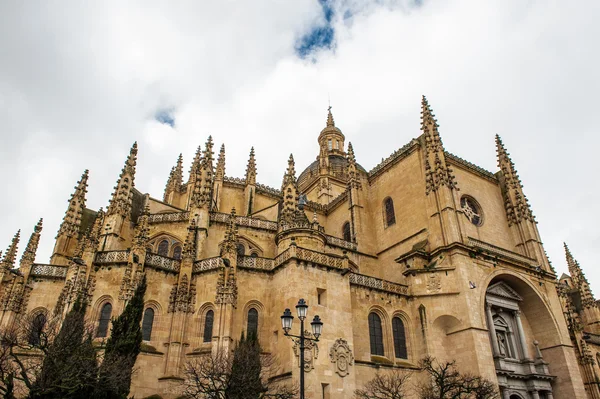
(219, 177)
(249, 190)
(10, 255)
(68, 233)
(174, 184)
(440, 184)
(201, 200)
(289, 190)
(331, 139)
(119, 209)
(29, 254)
(518, 212)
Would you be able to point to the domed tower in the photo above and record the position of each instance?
(327, 177)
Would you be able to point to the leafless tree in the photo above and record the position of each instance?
(209, 377)
(390, 385)
(446, 382)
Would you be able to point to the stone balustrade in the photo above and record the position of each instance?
(208, 264)
(51, 271)
(169, 217)
(162, 262)
(112, 257)
(218, 217)
(378, 284)
(338, 242)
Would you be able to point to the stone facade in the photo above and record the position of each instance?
(426, 254)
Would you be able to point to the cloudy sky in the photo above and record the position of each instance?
(80, 82)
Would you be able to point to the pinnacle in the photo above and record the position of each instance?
(32, 245)
(351, 156)
(330, 121)
(10, 254)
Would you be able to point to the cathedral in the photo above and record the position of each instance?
(425, 254)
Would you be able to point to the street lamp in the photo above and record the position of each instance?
(316, 325)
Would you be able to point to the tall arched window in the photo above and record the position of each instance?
(346, 232)
(177, 252)
(399, 338)
(253, 323)
(104, 320)
(163, 248)
(376, 334)
(389, 214)
(208, 325)
(37, 328)
(147, 322)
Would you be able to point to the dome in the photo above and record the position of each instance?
(338, 168)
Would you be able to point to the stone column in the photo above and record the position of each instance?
(522, 337)
(505, 393)
(492, 330)
(549, 395)
(535, 395)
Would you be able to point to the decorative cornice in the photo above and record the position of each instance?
(458, 161)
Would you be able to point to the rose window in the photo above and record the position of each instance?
(472, 210)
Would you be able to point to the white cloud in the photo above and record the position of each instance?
(80, 84)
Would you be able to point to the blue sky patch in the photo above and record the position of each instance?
(165, 116)
(320, 37)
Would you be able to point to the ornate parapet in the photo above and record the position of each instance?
(162, 262)
(235, 181)
(246, 221)
(169, 217)
(49, 271)
(394, 158)
(263, 189)
(378, 284)
(338, 242)
(112, 257)
(493, 250)
(255, 263)
(301, 225)
(208, 264)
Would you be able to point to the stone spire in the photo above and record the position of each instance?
(120, 204)
(289, 190)
(72, 220)
(251, 169)
(29, 254)
(175, 180)
(330, 121)
(437, 172)
(220, 170)
(10, 255)
(579, 280)
(195, 166)
(353, 180)
(201, 195)
(515, 201)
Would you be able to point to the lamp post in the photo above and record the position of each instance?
(316, 325)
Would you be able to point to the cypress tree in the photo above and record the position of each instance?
(245, 381)
(122, 349)
(70, 367)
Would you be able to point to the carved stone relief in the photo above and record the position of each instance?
(341, 354)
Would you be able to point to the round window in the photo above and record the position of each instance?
(472, 210)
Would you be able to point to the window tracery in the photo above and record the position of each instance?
(472, 210)
(163, 248)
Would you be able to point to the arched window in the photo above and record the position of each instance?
(147, 322)
(399, 338)
(390, 216)
(177, 252)
(208, 325)
(241, 250)
(376, 334)
(104, 320)
(254, 254)
(329, 145)
(346, 232)
(253, 323)
(37, 328)
(163, 248)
